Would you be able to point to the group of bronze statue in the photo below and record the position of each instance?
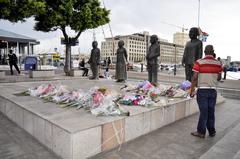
(192, 52)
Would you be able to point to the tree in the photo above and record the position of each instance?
(18, 10)
(50, 15)
(78, 15)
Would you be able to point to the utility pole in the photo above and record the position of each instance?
(198, 13)
(110, 28)
(94, 35)
(175, 60)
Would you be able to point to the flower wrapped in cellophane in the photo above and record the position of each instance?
(109, 107)
(100, 101)
(40, 90)
(136, 100)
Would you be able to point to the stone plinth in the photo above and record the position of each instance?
(77, 134)
(76, 73)
(2, 74)
(41, 73)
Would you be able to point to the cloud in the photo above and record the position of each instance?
(219, 18)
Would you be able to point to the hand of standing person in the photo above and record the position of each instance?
(192, 93)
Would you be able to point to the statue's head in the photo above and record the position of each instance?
(120, 43)
(153, 39)
(209, 50)
(10, 51)
(193, 33)
(94, 44)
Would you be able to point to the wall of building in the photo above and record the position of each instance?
(171, 53)
(137, 45)
(180, 38)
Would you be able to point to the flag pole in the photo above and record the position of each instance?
(198, 13)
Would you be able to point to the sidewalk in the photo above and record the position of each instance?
(15, 143)
(172, 141)
(175, 142)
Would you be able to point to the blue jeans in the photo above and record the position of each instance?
(206, 99)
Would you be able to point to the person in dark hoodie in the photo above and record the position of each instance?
(13, 61)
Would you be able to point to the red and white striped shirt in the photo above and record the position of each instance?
(208, 69)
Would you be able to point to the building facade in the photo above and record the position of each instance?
(137, 45)
(180, 38)
(171, 53)
(20, 44)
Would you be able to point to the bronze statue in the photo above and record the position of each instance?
(94, 60)
(152, 59)
(121, 65)
(192, 52)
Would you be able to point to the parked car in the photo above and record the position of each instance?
(232, 69)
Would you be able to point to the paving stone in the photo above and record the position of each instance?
(15, 143)
(175, 141)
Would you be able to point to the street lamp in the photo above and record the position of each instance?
(175, 51)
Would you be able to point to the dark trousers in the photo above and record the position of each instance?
(85, 71)
(188, 72)
(16, 67)
(206, 99)
(152, 73)
(225, 74)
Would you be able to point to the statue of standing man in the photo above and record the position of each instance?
(152, 59)
(94, 61)
(192, 52)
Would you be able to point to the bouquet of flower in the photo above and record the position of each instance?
(180, 94)
(135, 100)
(40, 90)
(154, 93)
(185, 85)
(109, 107)
(57, 91)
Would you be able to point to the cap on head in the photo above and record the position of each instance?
(209, 50)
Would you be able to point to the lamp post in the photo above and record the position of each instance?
(175, 58)
(198, 13)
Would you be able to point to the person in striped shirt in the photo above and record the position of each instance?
(207, 73)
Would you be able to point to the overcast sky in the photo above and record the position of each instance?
(219, 18)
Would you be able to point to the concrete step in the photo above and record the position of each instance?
(230, 93)
(226, 148)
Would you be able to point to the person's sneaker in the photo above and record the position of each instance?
(212, 135)
(197, 134)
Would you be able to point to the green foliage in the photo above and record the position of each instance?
(50, 15)
(18, 10)
(79, 15)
